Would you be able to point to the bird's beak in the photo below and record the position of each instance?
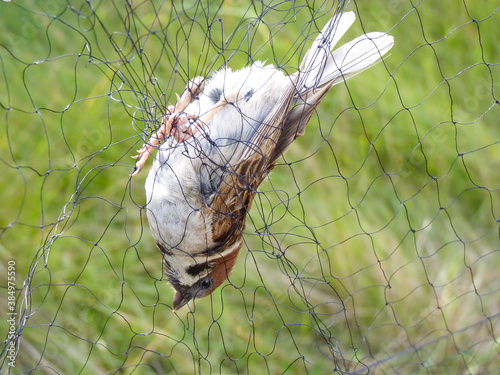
(180, 299)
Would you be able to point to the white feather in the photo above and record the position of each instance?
(320, 65)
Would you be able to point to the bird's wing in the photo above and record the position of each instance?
(239, 185)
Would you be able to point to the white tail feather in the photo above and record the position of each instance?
(361, 53)
(321, 66)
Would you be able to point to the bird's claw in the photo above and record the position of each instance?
(177, 124)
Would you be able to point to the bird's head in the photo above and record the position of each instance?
(198, 276)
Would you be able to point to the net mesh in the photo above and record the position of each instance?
(372, 247)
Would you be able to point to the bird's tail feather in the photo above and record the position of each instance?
(323, 67)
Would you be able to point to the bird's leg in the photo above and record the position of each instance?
(177, 124)
(193, 89)
(183, 129)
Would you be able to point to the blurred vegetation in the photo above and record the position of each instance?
(374, 243)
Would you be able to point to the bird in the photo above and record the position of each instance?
(221, 139)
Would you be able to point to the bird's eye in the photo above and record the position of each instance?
(205, 283)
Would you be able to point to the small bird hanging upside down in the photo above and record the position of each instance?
(226, 134)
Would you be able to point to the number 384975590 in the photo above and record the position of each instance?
(11, 284)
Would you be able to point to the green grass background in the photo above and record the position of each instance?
(375, 242)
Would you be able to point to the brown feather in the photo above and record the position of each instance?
(298, 118)
(223, 267)
(234, 199)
